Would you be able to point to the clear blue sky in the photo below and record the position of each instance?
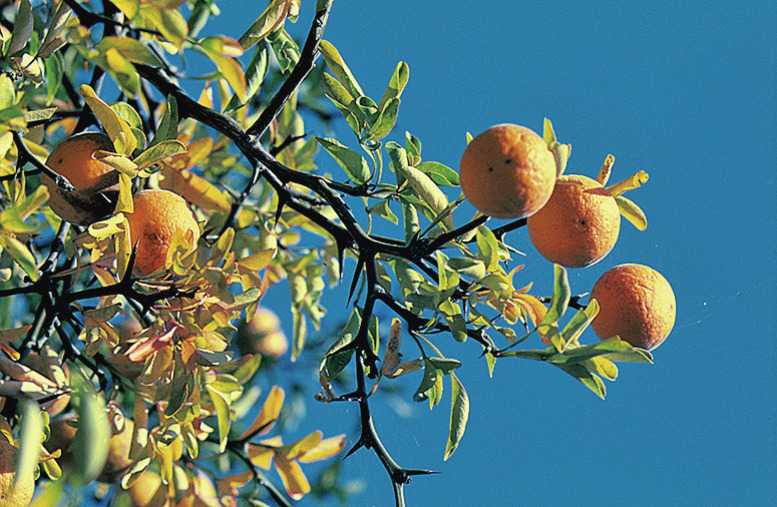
(682, 90)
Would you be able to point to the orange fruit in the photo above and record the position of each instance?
(636, 303)
(262, 334)
(578, 226)
(507, 172)
(63, 433)
(95, 181)
(156, 216)
(21, 494)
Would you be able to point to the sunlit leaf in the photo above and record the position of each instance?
(269, 21)
(21, 254)
(396, 84)
(30, 444)
(606, 170)
(221, 405)
(268, 415)
(561, 296)
(439, 173)
(631, 183)
(194, 189)
(294, 479)
(354, 165)
(131, 49)
(118, 129)
(588, 379)
(338, 67)
(631, 212)
(325, 449)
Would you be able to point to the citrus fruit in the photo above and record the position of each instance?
(636, 303)
(578, 226)
(95, 181)
(63, 432)
(262, 334)
(156, 215)
(10, 496)
(507, 171)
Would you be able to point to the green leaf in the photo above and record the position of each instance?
(472, 268)
(221, 405)
(382, 209)
(21, 254)
(612, 348)
(602, 366)
(491, 361)
(427, 382)
(443, 365)
(561, 296)
(439, 173)
(338, 356)
(255, 72)
(396, 85)
(580, 322)
(631, 212)
(560, 151)
(429, 192)
(270, 20)
(488, 248)
(179, 387)
(355, 166)
(158, 152)
(459, 415)
(22, 28)
(168, 124)
(131, 49)
(92, 436)
(54, 72)
(385, 122)
(588, 379)
(338, 67)
(31, 439)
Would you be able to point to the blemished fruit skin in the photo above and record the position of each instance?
(636, 303)
(578, 226)
(156, 215)
(21, 495)
(507, 171)
(94, 180)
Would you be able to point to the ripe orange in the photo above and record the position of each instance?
(578, 226)
(157, 215)
(94, 180)
(636, 303)
(507, 172)
(21, 495)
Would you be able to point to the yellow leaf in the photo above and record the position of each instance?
(118, 129)
(628, 184)
(301, 446)
(194, 189)
(272, 17)
(269, 413)
(294, 480)
(325, 449)
(604, 172)
(632, 212)
(257, 261)
(259, 455)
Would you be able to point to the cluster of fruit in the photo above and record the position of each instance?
(509, 171)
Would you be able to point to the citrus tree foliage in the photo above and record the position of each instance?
(248, 145)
